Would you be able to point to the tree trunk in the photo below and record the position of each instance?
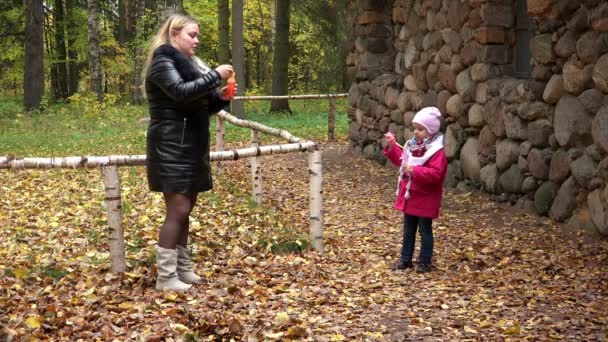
(137, 95)
(33, 82)
(61, 71)
(122, 40)
(223, 29)
(94, 50)
(73, 66)
(170, 7)
(280, 58)
(238, 51)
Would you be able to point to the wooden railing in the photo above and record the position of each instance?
(109, 169)
(331, 120)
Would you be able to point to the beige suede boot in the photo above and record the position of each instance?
(185, 267)
(166, 266)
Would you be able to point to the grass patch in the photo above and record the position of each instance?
(53, 272)
(285, 246)
(84, 128)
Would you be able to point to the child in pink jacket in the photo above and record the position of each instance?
(422, 171)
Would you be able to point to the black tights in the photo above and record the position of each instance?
(176, 227)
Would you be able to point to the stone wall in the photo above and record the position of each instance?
(540, 142)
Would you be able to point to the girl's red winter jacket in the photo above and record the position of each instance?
(426, 189)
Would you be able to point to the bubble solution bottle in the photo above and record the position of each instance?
(231, 82)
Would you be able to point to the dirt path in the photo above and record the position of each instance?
(499, 272)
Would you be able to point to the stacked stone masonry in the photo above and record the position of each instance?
(539, 141)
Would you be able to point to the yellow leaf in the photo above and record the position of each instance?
(338, 337)
(21, 273)
(170, 296)
(374, 335)
(514, 329)
(281, 317)
(33, 322)
(470, 330)
(125, 305)
(89, 291)
(179, 327)
(296, 332)
(274, 336)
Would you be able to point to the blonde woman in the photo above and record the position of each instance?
(182, 93)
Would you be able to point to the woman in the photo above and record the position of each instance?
(182, 93)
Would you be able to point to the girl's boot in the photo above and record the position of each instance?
(185, 267)
(166, 266)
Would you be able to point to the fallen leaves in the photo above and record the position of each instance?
(500, 274)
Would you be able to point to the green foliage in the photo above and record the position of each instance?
(316, 35)
(87, 104)
(11, 49)
(205, 12)
(86, 127)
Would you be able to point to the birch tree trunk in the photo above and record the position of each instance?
(94, 50)
(316, 200)
(256, 169)
(116, 233)
(33, 78)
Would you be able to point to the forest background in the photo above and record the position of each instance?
(96, 48)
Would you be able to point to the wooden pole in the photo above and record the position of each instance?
(332, 119)
(116, 234)
(316, 200)
(288, 97)
(256, 169)
(219, 138)
(11, 162)
(281, 133)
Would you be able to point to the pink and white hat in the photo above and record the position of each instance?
(429, 118)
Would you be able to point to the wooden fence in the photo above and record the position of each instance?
(331, 120)
(109, 169)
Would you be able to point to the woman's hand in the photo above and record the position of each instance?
(225, 70)
(224, 93)
(389, 137)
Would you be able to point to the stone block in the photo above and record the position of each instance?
(541, 47)
(497, 15)
(496, 54)
(490, 35)
(600, 73)
(368, 17)
(538, 8)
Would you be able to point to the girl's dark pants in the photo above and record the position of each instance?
(410, 225)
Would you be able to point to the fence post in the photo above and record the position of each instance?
(256, 169)
(316, 200)
(116, 233)
(219, 138)
(332, 118)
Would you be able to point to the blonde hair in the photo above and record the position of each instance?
(174, 23)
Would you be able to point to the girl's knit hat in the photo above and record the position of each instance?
(429, 118)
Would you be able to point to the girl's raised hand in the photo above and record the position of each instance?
(389, 137)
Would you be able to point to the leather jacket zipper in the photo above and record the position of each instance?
(184, 131)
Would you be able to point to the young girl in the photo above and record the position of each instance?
(422, 172)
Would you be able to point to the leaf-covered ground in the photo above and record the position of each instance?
(499, 274)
